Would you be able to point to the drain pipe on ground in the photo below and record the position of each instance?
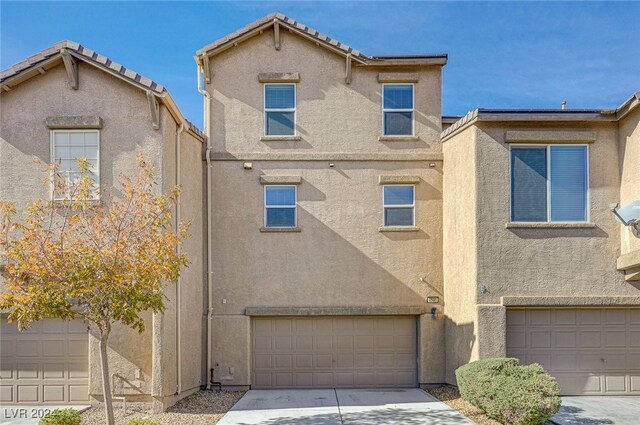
(178, 282)
(207, 130)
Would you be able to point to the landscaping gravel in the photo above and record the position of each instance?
(203, 407)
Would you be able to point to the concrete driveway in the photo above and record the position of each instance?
(337, 407)
(29, 415)
(594, 410)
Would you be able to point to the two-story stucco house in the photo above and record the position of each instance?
(348, 235)
(67, 102)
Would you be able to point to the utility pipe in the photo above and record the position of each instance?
(178, 283)
(207, 131)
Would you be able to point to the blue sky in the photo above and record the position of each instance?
(501, 54)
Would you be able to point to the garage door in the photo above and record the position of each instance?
(46, 364)
(328, 352)
(589, 351)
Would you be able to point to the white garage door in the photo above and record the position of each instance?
(328, 352)
(590, 351)
(46, 364)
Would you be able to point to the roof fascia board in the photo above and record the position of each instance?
(436, 60)
(210, 52)
(628, 106)
(543, 117)
(32, 71)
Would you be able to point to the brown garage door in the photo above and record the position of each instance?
(328, 352)
(46, 364)
(590, 351)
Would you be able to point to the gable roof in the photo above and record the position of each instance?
(52, 56)
(323, 40)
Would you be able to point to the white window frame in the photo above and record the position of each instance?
(406, 206)
(294, 206)
(266, 110)
(52, 145)
(412, 110)
(548, 149)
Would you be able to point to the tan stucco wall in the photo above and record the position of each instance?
(629, 134)
(331, 116)
(338, 259)
(460, 249)
(564, 263)
(126, 131)
(549, 261)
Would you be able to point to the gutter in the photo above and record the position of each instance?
(207, 131)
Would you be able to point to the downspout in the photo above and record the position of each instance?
(178, 284)
(207, 130)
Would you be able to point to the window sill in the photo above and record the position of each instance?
(398, 229)
(280, 138)
(550, 225)
(398, 138)
(280, 229)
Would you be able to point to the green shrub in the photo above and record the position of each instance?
(61, 417)
(508, 392)
(139, 421)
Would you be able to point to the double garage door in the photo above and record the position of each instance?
(334, 352)
(590, 351)
(47, 364)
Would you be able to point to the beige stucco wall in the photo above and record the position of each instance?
(547, 261)
(339, 258)
(459, 208)
(331, 116)
(563, 263)
(629, 135)
(127, 131)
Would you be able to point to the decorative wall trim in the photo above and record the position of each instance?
(279, 77)
(384, 229)
(397, 77)
(280, 229)
(270, 156)
(84, 121)
(280, 179)
(552, 301)
(629, 260)
(398, 179)
(336, 311)
(398, 138)
(280, 138)
(550, 225)
(551, 136)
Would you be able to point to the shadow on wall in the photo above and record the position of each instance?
(460, 339)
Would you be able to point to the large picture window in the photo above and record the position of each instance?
(279, 109)
(67, 146)
(549, 183)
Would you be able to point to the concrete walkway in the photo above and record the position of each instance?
(595, 410)
(341, 407)
(30, 415)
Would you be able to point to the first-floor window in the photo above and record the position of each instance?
(549, 183)
(280, 206)
(67, 146)
(399, 205)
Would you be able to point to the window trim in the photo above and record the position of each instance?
(294, 109)
(52, 133)
(547, 147)
(412, 110)
(405, 206)
(294, 206)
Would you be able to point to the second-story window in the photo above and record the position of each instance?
(280, 206)
(399, 205)
(279, 109)
(397, 109)
(549, 183)
(67, 146)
